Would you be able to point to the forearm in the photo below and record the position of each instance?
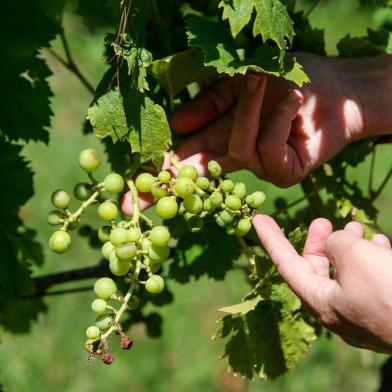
(368, 81)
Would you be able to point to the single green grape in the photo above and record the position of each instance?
(194, 222)
(108, 211)
(249, 200)
(155, 284)
(89, 160)
(164, 177)
(104, 288)
(227, 186)
(219, 221)
(103, 322)
(107, 250)
(93, 332)
(159, 235)
(193, 204)
(118, 267)
(239, 190)
(215, 169)
(113, 183)
(158, 191)
(158, 254)
(133, 234)
(60, 241)
(118, 236)
(99, 306)
(144, 182)
(167, 207)
(207, 205)
(55, 217)
(126, 252)
(203, 183)
(184, 187)
(60, 199)
(216, 199)
(146, 244)
(258, 199)
(233, 202)
(188, 171)
(230, 230)
(82, 191)
(104, 233)
(226, 216)
(73, 225)
(243, 227)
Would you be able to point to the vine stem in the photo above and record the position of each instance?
(372, 163)
(76, 215)
(70, 64)
(377, 193)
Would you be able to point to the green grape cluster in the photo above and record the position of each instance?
(135, 248)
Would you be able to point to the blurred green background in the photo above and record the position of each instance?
(52, 357)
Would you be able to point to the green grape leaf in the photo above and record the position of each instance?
(176, 72)
(243, 307)
(272, 20)
(219, 50)
(210, 252)
(268, 340)
(134, 117)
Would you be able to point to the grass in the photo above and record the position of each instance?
(52, 357)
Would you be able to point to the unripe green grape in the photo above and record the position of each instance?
(118, 236)
(159, 235)
(108, 211)
(60, 241)
(164, 177)
(233, 202)
(99, 306)
(133, 302)
(144, 182)
(155, 267)
(107, 250)
(249, 200)
(113, 183)
(89, 160)
(104, 288)
(126, 251)
(239, 190)
(227, 186)
(195, 223)
(226, 216)
(193, 204)
(184, 187)
(158, 191)
(188, 171)
(146, 244)
(243, 227)
(93, 332)
(55, 217)
(215, 169)
(258, 199)
(207, 205)
(167, 207)
(82, 191)
(158, 254)
(60, 199)
(104, 233)
(118, 267)
(155, 284)
(89, 345)
(230, 230)
(133, 234)
(73, 225)
(216, 199)
(203, 183)
(219, 221)
(103, 322)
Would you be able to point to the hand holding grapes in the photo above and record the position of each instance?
(280, 132)
(355, 303)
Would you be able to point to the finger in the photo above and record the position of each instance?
(242, 145)
(319, 230)
(356, 228)
(145, 200)
(382, 241)
(208, 105)
(295, 270)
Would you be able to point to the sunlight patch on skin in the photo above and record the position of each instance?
(353, 116)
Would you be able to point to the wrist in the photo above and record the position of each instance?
(367, 93)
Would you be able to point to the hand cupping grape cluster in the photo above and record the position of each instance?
(136, 248)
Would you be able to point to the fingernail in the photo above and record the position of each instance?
(252, 82)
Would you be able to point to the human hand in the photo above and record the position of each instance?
(268, 126)
(356, 303)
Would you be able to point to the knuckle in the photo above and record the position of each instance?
(328, 318)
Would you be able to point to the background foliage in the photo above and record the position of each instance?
(191, 318)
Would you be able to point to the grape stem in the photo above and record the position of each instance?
(135, 203)
(174, 161)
